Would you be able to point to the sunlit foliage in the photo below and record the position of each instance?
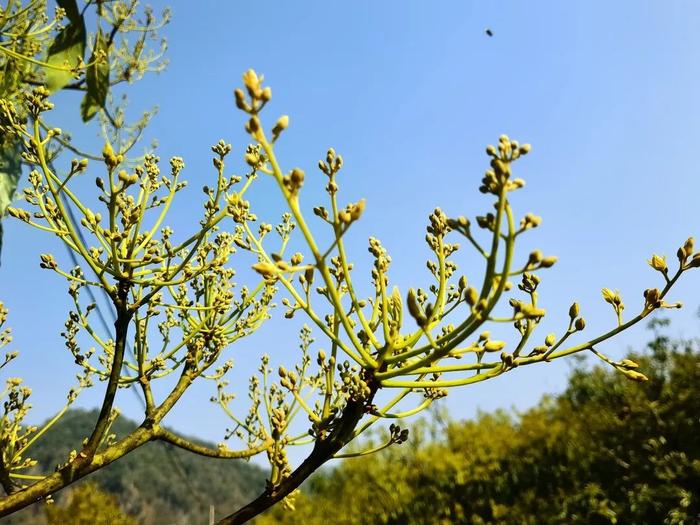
(88, 505)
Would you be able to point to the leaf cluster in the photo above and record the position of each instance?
(57, 51)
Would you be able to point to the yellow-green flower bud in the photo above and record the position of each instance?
(635, 376)
(111, 160)
(283, 266)
(240, 99)
(550, 339)
(531, 311)
(685, 251)
(500, 167)
(534, 258)
(494, 346)
(629, 364)
(78, 165)
(507, 359)
(531, 220)
(252, 82)
(609, 295)
(265, 269)
(357, 209)
(574, 311)
(414, 308)
(47, 261)
(549, 261)
(309, 275)
(18, 213)
(688, 246)
(652, 298)
(253, 125)
(297, 177)
(462, 283)
(280, 126)
(251, 159)
(471, 296)
(658, 263)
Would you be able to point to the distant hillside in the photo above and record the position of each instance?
(147, 482)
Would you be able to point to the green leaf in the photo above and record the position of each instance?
(97, 79)
(72, 12)
(11, 78)
(10, 171)
(66, 51)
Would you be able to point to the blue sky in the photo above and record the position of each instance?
(410, 93)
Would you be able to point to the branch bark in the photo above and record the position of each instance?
(71, 473)
(121, 326)
(167, 436)
(321, 453)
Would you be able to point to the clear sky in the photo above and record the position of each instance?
(410, 93)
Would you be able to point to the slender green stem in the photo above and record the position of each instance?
(41, 432)
(293, 203)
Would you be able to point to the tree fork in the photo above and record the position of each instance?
(70, 473)
(322, 452)
(121, 326)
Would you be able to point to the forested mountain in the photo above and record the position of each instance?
(158, 483)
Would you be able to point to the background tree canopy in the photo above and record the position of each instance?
(604, 451)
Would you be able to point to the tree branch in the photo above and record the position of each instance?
(167, 436)
(323, 451)
(121, 328)
(73, 472)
